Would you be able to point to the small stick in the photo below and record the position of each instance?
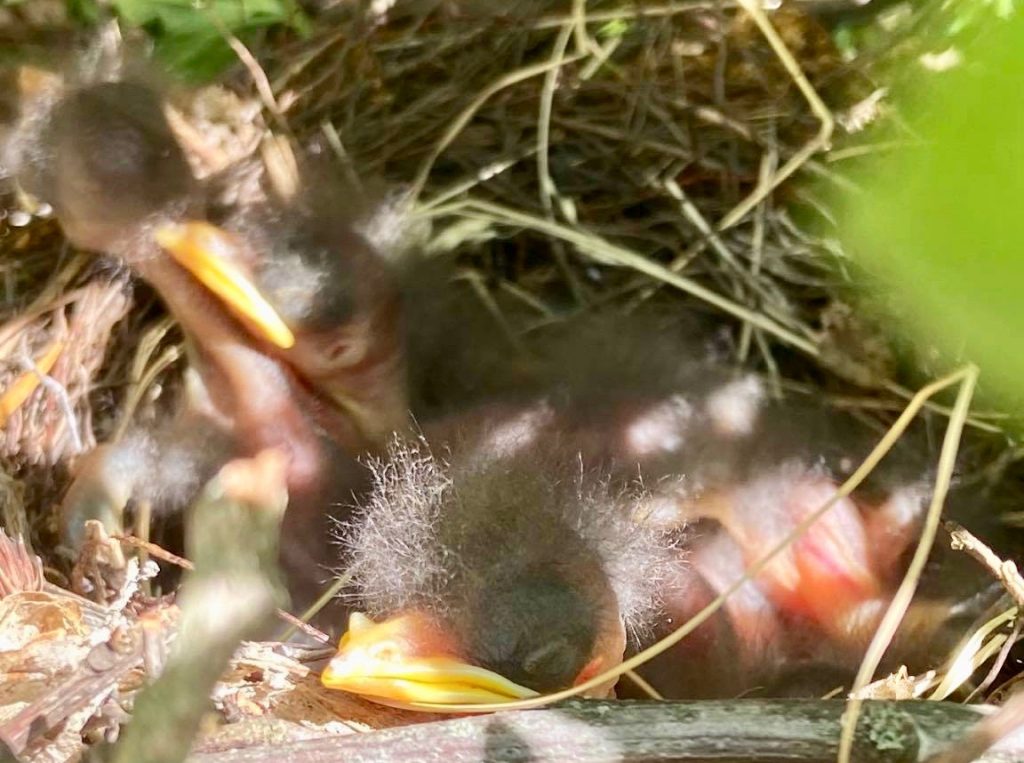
(229, 596)
(178, 561)
(1005, 571)
(819, 142)
(1004, 722)
(967, 379)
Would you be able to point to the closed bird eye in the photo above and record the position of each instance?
(551, 658)
(345, 352)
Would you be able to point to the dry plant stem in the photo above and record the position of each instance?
(233, 590)
(637, 11)
(333, 139)
(1005, 721)
(769, 161)
(997, 664)
(484, 174)
(1005, 571)
(546, 184)
(689, 210)
(152, 549)
(143, 524)
(143, 372)
(463, 119)
(169, 357)
(975, 650)
(607, 253)
(259, 77)
(903, 392)
(528, 299)
(967, 378)
(53, 294)
(738, 731)
(476, 283)
(302, 621)
(298, 624)
(867, 466)
(599, 53)
(817, 143)
(979, 419)
(643, 685)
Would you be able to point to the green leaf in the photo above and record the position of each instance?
(190, 36)
(85, 12)
(944, 222)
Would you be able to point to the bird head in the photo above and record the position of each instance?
(493, 578)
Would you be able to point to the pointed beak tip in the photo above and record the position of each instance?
(169, 235)
(343, 674)
(280, 337)
(205, 251)
(331, 677)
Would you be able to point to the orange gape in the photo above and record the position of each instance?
(836, 572)
(832, 570)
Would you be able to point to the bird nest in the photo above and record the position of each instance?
(568, 156)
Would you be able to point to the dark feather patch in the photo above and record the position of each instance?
(521, 553)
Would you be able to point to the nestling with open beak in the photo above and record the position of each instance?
(535, 555)
(106, 159)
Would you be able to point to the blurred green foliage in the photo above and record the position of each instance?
(943, 220)
(191, 35)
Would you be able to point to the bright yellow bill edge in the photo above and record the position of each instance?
(433, 680)
(23, 386)
(373, 661)
(203, 250)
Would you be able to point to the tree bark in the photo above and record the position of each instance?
(738, 731)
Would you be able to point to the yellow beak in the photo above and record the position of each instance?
(211, 255)
(379, 661)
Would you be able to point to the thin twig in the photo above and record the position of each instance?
(605, 252)
(643, 685)
(1003, 570)
(159, 552)
(467, 114)
(302, 621)
(227, 599)
(546, 187)
(818, 107)
(739, 731)
(967, 379)
(998, 663)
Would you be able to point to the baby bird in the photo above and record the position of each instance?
(514, 549)
(498, 576)
(104, 156)
(516, 552)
